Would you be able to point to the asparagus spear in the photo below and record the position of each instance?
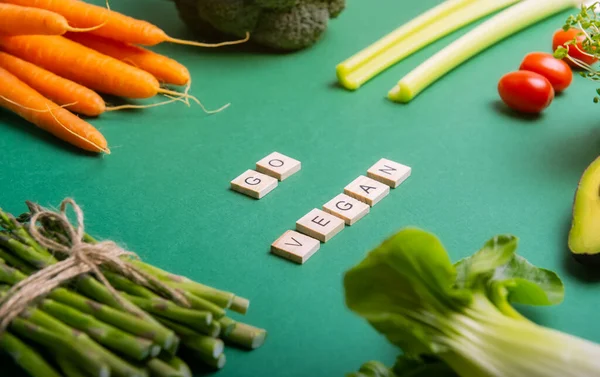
(223, 299)
(159, 368)
(94, 289)
(246, 336)
(122, 320)
(227, 325)
(126, 285)
(25, 252)
(16, 262)
(68, 368)
(9, 275)
(193, 318)
(205, 345)
(199, 303)
(88, 360)
(85, 283)
(123, 284)
(117, 365)
(214, 329)
(217, 363)
(109, 336)
(26, 357)
(177, 364)
(199, 344)
(15, 227)
(184, 331)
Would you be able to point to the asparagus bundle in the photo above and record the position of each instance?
(81, 329)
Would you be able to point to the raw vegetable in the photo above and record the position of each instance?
(115, 25)
(556, 71)
(576, 51)
(584, 236)
(405, 367)
(526, 91)
(26, 357)
(21, 99)
(587, 27)
(438, 12)
(278, 24)
(32, 38)
(109, 340)
(179, 365)
(411, 37)
(83, 65)
(62, 91)
(475, 41)
(166, 70)
(18, 20)
(461, 314)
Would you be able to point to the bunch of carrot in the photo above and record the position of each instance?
(57, 55)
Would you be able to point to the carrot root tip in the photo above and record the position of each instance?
(99, 148)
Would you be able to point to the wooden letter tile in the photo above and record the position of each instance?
(278, 166)
(295, 246)
(346, 208)
(320, 225)
(367, 190)
(254, 184)
(389, 172)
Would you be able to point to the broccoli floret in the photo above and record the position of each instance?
(279, 24)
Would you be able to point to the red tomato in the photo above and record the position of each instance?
(561, 37)
(556, 71)
(526, 91)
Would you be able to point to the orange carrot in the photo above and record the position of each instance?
(21, 20)
(62, 91)
(165, 69)
(21, 99)
(83, 65)
(117, 26)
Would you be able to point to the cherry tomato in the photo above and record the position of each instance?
(526, 91)
(556, 71)
(561, 37)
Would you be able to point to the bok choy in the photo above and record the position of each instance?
(457, 319)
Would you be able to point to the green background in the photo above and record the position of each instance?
(477, 171)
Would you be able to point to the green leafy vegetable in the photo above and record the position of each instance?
(458, 318)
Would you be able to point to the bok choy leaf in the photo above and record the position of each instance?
(459, 317)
